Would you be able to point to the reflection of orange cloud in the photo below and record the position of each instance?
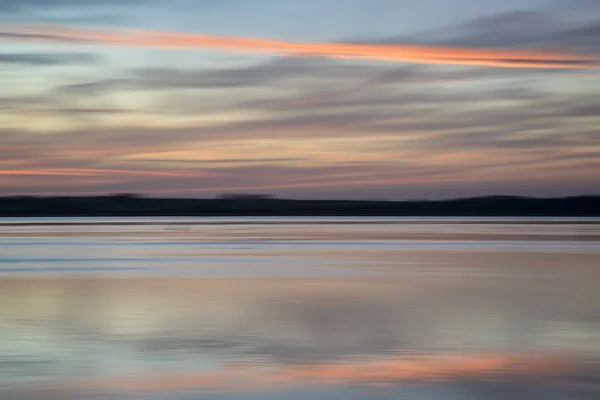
(389, 371)
(526, 58)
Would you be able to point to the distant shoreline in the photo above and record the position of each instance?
(257, 206)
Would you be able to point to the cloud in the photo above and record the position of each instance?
(425, 115)
(304, 84)
(281, 72)
(553, 29)
(578, 5)
(48, 59)
(96, 172)
(247, 76)
(79, 12)
(486, 159)
(514, 29)
(310, 126)
(224, 161)
(525, 29)
(26, 6)
(521, 58)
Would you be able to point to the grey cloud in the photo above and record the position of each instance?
(86, 18)
(403, 101)
(579, 5)
(583, 105)
(510, 29)
(291, 74)
(90, 110)
(419, 74)
(503, 136)
(586, 110)
(530, 29)
(299, 179)
(259, 75)
(350, 113)
(15, 36)
(276, 72)
(271, 72)
(222, 178)
(50, 105)
(90, 10)
(506, 118)
(501, 140)
(524, 28)
(99, 86)
(24, 6)
(487, 132)
(193, 79)
(350, 107)
(566, 63)
(225, 161)
(48, 59)
(586, 36)
(66, 11)
(317, 86)
(284, 126)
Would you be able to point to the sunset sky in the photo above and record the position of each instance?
(373, 99)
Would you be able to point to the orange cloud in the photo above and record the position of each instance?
(522, 58)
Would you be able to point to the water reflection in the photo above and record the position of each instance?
(419, 322)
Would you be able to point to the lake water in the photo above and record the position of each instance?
(296, 308)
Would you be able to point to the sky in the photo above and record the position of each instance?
(354, 99)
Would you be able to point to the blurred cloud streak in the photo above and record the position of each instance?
(430, 54)
(97, 172)
(392, 370)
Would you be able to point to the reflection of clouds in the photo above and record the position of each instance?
(319, 315)
(99, 326)
(384, 371)
(324, 325)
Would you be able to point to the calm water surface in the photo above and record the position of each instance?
(296, 308)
